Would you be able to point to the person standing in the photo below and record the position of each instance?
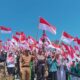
(17, 65)
(62, 69)
(52, 67)
(40, 65)
(10, 61)
(25, 59)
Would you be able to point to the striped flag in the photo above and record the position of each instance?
(44, 25)
(5, 29)
(66, 38)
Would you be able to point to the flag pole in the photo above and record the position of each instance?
(61, 46)
(43, 46)
(60, 40)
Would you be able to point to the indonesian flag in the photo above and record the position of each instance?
(66, 38)
(69, 50)
(77, 44)
(76, 48)
(31, 40)
(44, 25)
(18, 33)
(77, 40)
(47, 41)
(15, 38)
(64, 54)
(22, 37)
(24, 46)
(56, 46)
(72, 52)
(5, 29)
(65, 48)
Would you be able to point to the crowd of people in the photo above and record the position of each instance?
(27, 65)
(25, 58)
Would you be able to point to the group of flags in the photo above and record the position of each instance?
(20, 41)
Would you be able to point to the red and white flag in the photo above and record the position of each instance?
(65, 48)
(31, 40)
(5, 29)
(68, 49)
(66, 38)
(77, 40)
(56, 46)
(77, 44)
(18, 33)
(15, 39)
(76, 48)
(22, 37)
(72, 52)
(44, 25)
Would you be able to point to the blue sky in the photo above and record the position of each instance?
(23, 15)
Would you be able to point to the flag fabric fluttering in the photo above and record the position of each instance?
(5, 29)
(15, 38)
(22, 37)
(18, 33)
(72, 51)
(65, 48)
(31, 40)
(69, 50)
(67, 38)
(77, 44)
(56, 46)
(77, 40)
(76, 48)
(44, 25)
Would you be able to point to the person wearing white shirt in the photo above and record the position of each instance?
(10, 61)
